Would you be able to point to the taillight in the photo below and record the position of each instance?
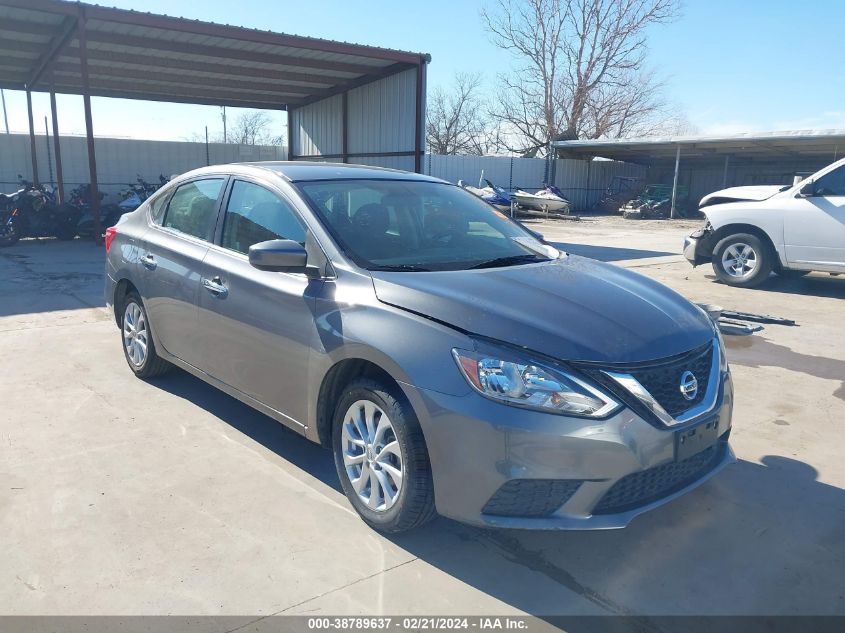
(111, 232)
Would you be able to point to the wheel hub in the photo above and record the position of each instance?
(372, 458)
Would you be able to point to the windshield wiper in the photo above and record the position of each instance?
(402, 268)
(511, 260)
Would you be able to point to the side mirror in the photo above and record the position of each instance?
(284, 256)
(808, 189)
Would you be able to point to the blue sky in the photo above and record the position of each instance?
(730, 65)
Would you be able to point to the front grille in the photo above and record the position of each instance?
(663, 381)
(639, 489)
(531, 497)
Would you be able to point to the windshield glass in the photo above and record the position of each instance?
(420, 226)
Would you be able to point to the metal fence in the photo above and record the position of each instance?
(121, 161)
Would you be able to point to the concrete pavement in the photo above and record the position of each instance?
(119, 496)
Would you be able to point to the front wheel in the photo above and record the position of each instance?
(743, 260)
(10, 232)
(381, 457)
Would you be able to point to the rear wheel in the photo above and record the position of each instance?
(138, 345)
(742, 260)
(381, 457)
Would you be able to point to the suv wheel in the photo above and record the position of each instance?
(138, 346)
(742, 260)
(381, 457)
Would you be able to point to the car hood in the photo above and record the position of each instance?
(740, 194)
(572, 308)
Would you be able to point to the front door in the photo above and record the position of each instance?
(172, 251)
(814, 226)
(257, 326)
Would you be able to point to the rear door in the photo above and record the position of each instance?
(171, 254)
(257, 327)
(814, 226)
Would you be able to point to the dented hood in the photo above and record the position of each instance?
(740, 194)
(572, 308)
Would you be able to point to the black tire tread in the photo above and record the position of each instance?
(155, 365)
(419, 500)
(765, 266)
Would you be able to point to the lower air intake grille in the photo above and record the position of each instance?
(531, 497)
(644, 487)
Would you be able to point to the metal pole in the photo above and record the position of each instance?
(725, 174)
(5, 116)
(207, 157)
(57, 148)
(420, 127)
(223, 114)
(47, 142)
(344, 131)
(675, 182)
(32, 138)
(89, 126)
(290, 133)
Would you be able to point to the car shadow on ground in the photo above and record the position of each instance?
(608, 253)
(812, 285)
(758, 538)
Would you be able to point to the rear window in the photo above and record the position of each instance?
(193, 208)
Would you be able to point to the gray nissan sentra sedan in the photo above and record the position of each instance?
(453, 361)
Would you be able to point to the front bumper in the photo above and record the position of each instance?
(695, 247)
(476, 446)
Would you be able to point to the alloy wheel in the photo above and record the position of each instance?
(371, 455)
(135, 334)
(739, 260)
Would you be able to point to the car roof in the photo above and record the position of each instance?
(301, 171)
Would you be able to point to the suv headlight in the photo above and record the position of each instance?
(502, 376)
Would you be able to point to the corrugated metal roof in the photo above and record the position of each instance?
(155, 57)
(796, 143)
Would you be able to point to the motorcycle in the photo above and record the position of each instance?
(32, 212)
(81, 198)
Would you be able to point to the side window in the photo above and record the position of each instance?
(832, 183)
(192, 208)
(254, 215)
(158, 205)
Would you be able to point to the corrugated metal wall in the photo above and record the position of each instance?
(320, 128)
(381, 118)
(119, 161)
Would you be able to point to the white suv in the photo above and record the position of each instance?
(752, 231)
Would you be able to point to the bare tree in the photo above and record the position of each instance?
(253, 127)
(583, 67)
(457, 121)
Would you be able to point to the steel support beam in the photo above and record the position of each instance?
(291, 133)
(419, 116)
(66, 31)
(675, 181)
(344, 140)
(32, 152)
(725, 173)
(60, 182)
(89, 126)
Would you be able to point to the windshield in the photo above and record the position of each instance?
(420, 226)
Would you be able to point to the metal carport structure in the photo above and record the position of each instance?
(713, 157)
(75, 48)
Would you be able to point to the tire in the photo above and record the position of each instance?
(413, 504)
(13, 235)
(132, 322)
(743, 260)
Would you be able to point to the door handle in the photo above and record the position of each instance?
(215, 286)
(149, 261)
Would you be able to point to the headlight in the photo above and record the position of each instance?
(526, 383)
